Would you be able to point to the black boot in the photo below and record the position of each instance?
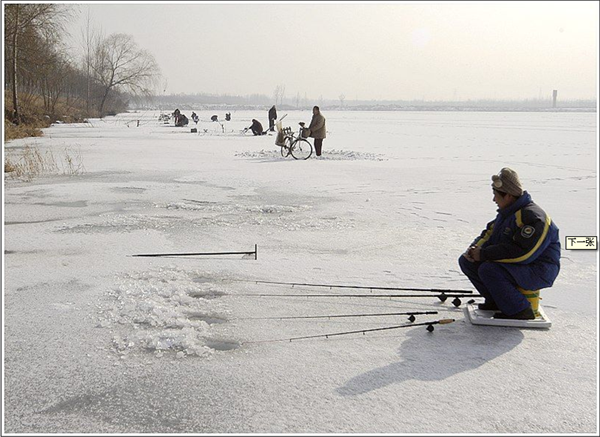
(488, 305)
(526, 314)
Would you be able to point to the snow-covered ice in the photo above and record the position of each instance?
(96, 340)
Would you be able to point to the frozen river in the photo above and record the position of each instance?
(99, 341)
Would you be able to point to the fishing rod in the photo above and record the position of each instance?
(200, 253)
(412, 315)
(443, 296)
(433, 290)
(429, 328)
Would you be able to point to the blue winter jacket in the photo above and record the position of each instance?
(525, 240)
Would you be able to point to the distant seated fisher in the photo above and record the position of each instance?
(520, 248)
(195, 117)
(256, 128)
(181, 121)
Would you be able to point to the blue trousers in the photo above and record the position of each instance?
(496, 284)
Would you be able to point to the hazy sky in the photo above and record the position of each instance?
(364, 50)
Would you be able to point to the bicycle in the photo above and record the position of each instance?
(294, 144)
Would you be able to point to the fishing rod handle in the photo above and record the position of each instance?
(445, 321)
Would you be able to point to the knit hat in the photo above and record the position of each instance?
(507, 181)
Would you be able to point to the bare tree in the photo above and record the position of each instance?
(279, 94)
(342, 98)
(118, 64)
(52, 74)
(282, 94)
(90, 40)
(25, 24)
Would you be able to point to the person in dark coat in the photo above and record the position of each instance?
(256, 127)
(519, 249)
(272, 118)
(317, 129)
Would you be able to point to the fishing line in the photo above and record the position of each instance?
(363, 287)
(429, 325)
(412, 315)
(442, 297)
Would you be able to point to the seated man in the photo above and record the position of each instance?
(520, 248)
(256, 128)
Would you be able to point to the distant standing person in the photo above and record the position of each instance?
(272, 118)
(317, 129)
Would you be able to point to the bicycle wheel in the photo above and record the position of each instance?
(285, 149)
(301, 149)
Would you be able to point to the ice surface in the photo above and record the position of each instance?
(99, 341)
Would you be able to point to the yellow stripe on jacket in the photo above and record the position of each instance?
(537, 245)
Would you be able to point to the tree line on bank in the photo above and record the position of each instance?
(44, 80)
